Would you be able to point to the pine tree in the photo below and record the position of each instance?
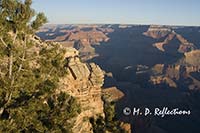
(29, 74)
(109, 123)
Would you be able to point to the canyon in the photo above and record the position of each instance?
(151, 65)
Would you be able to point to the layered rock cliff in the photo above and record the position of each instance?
(175, 75)
(83, 82)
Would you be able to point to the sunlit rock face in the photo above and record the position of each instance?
(83, 81)
(193, 58)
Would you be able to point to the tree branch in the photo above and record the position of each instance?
(3, 42)
(23, 56)
(47, 76)
(11, 57)
(10, 64)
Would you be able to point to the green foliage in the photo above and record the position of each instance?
(38, 115)
(109, 123)
(40, 19)
(17, 16)
(29, 75)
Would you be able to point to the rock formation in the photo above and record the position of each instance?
(81, 37)
(83, 82)
(172, 75)
(112, 94)
(193, 58)
(157, 32)
(173, 40)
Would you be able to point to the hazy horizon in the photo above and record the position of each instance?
(122, 24)
(146, 12)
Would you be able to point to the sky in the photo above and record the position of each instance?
(164, 12)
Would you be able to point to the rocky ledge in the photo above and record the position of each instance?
(83, 81)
